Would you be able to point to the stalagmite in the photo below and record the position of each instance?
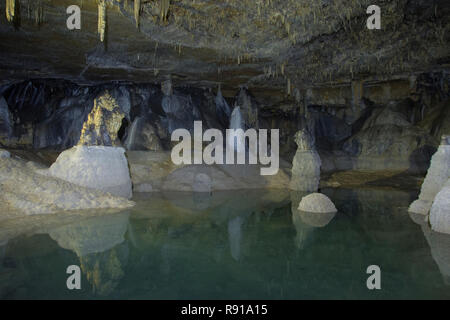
(102, 19)
(306, 163)
(137, 10)
(10, 9)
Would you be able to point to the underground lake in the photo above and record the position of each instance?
(229, 245)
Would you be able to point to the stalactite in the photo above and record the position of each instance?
(164, 9)
(39, 13)
(10, 9)
(102, 19)
(137, 11)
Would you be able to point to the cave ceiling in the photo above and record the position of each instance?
(268, 45)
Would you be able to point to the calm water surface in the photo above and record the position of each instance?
(229, 245)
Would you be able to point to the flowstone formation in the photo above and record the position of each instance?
(95, 162)
(306, 164)
(437, 176)
(103, 123)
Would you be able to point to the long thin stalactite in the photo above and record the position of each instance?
(101, 19)
(10, 10)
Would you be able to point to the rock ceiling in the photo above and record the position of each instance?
(265, 44)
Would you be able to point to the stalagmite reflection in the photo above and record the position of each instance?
(306, 222)
(235, 236)
(439, 244)
(100, 245)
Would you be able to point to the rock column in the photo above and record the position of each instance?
(306, 164)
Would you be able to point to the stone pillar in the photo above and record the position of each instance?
(306, 164)
(437, 176)
(97, 161)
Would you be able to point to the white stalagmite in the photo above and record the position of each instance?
(437, 176)
(102, 19)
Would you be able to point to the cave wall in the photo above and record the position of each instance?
(388, 125)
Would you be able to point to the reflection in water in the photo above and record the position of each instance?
(439, 244)
(99, 244)
(234, 236)
(2, 251)
(185, 247)
(306, 222)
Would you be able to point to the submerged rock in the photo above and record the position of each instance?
(440, 210)
(97, 167)
(306, 164)
(437, 176)
(317, 202)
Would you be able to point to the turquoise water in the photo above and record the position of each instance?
(229, 245)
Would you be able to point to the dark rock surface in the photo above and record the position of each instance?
(400, 133)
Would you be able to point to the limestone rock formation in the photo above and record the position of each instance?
(143, 135)
(103, 123)
(26, 192)
(440, 210)
(97, 167)
(155, 171)
(306, 164)
(437, 175)
(317, 202)
(248, 107)
(388, 139)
